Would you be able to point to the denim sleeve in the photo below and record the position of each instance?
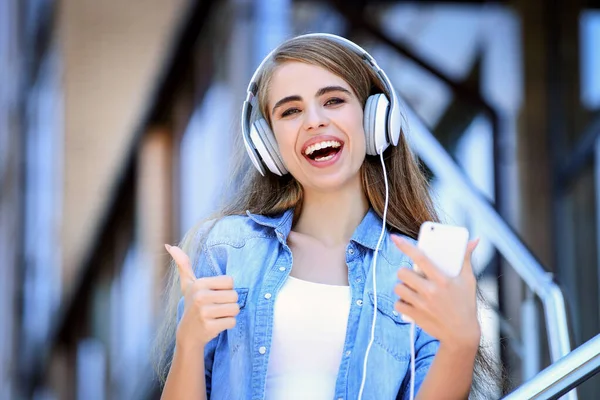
(204, 265)
(425, 350)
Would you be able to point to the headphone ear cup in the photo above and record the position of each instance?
(375, 123)
(395, 122)
(368, 118)
(265, 143)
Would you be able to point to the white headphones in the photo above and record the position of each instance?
(382, 120)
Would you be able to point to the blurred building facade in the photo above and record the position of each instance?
(116, 126)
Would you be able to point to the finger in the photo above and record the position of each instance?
(417, 256)
(220, 282)
(414, 280)
(417, 270)
(405, 309)
(184, 265)
(207, 296)
(407, 295)
(215, 311)
(467, 268)
(220, 324)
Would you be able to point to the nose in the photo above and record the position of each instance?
(314, 118)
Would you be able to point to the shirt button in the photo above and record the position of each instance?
(359, 302)
(395, 313)
(358, 280)
(282, 269)
(348, 353)
(267, 296)
(351, 251)
(262, 350)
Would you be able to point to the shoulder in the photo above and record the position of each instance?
(393, 254)
(233, 230)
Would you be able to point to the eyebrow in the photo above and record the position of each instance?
(320, 92)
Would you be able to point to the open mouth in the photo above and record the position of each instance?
(323, 151)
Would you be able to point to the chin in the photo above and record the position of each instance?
(332, 183)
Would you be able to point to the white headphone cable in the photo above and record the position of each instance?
(373, 268)
(412, 324)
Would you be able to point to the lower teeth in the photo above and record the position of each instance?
(329, 157)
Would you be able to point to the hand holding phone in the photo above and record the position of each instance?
(442, 299)
(442, 247)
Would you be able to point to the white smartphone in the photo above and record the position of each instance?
(444, 245)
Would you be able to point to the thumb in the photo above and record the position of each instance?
(467, 265)
(184, 265)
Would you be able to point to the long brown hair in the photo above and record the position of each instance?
(410, 203)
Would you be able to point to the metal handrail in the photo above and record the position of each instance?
(563, 375)
(497, 231)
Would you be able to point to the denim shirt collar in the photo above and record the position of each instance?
(281, 223)
(368, 231)
(366, 234)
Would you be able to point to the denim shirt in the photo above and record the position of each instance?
(253, 250)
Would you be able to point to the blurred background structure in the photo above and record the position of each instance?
(116, 125)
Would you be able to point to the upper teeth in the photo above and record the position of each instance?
(321, 145)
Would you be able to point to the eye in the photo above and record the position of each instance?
(289, 111)
(334, 101)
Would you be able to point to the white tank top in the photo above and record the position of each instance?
(309, 331)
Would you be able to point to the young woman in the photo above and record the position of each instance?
(278, 298)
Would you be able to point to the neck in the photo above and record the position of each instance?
(332, 217)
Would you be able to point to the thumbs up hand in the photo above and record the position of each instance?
(210, 304)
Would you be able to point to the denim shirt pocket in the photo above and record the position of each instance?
(241, 321)
(392, 333)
